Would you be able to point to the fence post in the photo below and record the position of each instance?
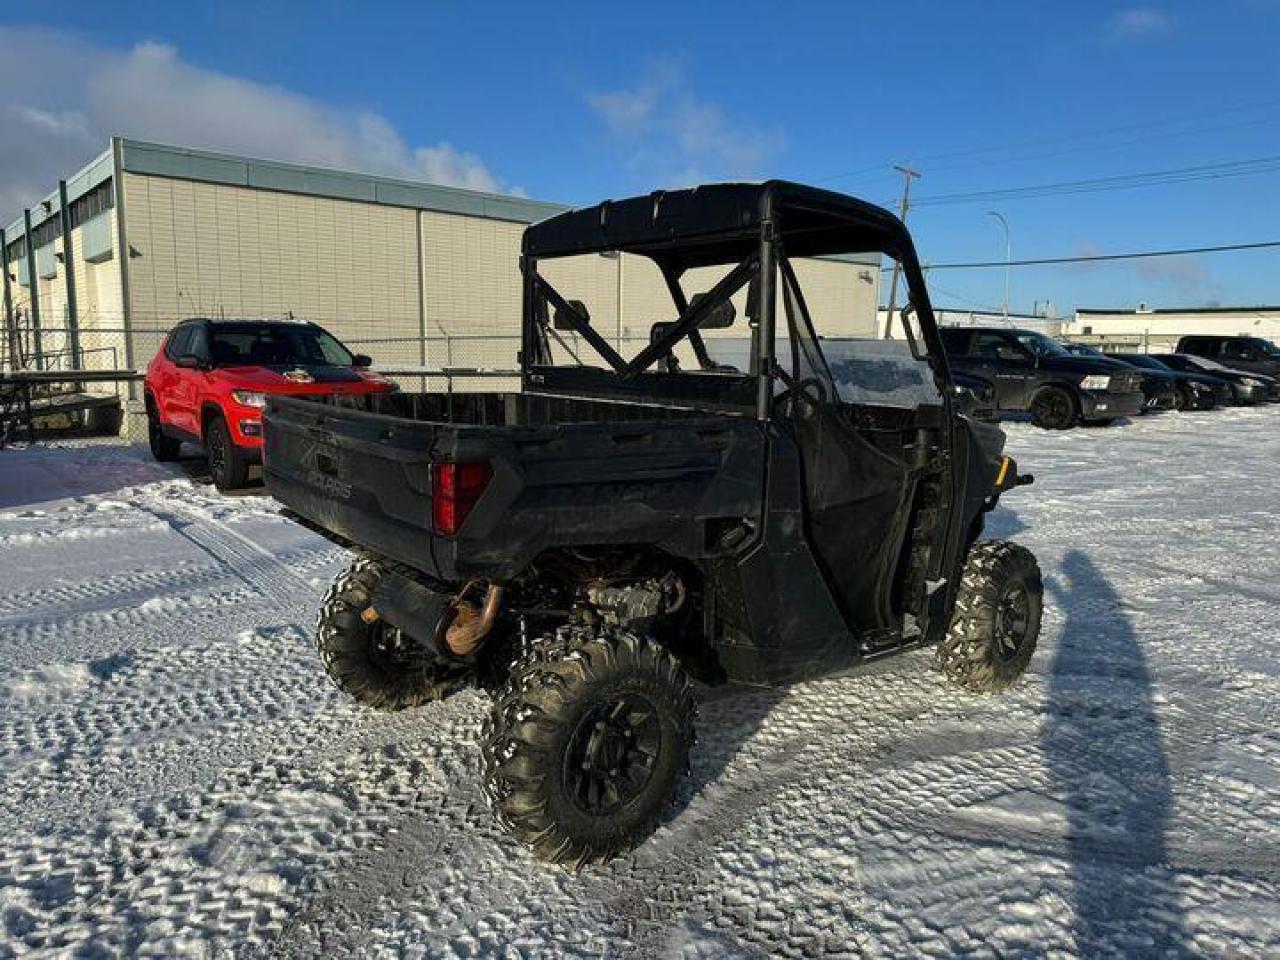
(34, 287)
(10, 322)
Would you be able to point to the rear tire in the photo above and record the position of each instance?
(228, 466)
(586, 745)
(1054, 408)
(163, 448)
(1183, 400)
(996, 619)
(369, 662)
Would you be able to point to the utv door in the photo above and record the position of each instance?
(854, 406)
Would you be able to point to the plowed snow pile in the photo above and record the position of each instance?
(177, 776)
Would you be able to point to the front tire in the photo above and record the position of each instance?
(371, 662)
(1054, 408)
(586, 745)
(996, 619)
(228, 466)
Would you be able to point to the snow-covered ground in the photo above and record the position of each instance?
(178, 777)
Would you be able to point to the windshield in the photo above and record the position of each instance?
(1266, 346)
(1205, 364)
(1138, 360)
(1080, 350)
(1042, 346)
(275, 344)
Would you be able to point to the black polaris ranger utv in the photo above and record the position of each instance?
(729, 498)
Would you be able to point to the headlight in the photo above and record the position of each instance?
(1097, 381)
(1250, 382)
(249, 398)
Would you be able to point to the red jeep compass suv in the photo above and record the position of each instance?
(209, 381)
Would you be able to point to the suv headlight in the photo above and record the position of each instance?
(249, 398)
(1249, 381)
(1097, 381)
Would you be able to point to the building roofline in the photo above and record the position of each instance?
(207, 166)
(1131, 312)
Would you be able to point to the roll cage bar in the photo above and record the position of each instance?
(756, 226)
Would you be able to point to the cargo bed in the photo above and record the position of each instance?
(561, 471)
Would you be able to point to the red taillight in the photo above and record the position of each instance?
(455, 488)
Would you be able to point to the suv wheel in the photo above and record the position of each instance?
(996, 620)
(375, 663)
(228, 465)
(1054, 408)
(584, 748)
(163, 448)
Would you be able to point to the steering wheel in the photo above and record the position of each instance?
(811, 390)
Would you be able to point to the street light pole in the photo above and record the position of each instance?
(1008, 259)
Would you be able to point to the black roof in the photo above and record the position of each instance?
(720, 223)
(257, 321)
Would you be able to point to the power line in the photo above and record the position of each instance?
(1094, 258)
(1082, 139)
(1207, 171)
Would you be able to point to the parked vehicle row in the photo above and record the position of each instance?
(1064, 384)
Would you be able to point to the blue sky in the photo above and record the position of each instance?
(576, 102)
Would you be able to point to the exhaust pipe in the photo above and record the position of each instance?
(471, 624)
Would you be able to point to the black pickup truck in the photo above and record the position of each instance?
(736, 501)
(1244, 353)
(1034, 373)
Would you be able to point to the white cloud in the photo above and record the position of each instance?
(1134, 23)
(671, 136)
(62, 97)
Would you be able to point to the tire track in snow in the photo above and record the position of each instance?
(101, 595)
(232, 550)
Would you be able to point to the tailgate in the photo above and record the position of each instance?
(360, 475)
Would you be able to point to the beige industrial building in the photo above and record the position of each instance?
(410, 273)
(1161, 328)
(948, 317)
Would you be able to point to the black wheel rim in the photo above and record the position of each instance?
(1013, 619)
(612, 753)
(217, 455)
(1055, 408)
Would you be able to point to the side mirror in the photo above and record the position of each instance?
(362, 360)
(561, 319)
(188, 361)
(721, 316)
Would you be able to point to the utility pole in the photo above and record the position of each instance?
(907, 176)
